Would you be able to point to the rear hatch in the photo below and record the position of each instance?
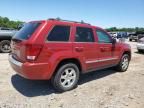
(22, 48)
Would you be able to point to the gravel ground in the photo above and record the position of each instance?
(101, 89)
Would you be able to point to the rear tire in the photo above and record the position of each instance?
(130, 39)
(5, 46)
(124, 63)
(66, 77)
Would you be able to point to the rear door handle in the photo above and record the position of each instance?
(79, 49)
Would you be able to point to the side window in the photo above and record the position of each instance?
(103, 37)
(84, 35)
(59, 33)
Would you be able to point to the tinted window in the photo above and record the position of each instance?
(26, 31)
(59, 33)
(84, 35)
(103, 37)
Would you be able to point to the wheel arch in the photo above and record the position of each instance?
(127, 52)
(68, 60)
(5, 38)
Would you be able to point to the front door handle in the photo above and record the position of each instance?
(103, 49)
(79, 49)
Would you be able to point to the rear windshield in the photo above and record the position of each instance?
(25, 32)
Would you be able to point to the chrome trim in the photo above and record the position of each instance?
(15, 62)
(101, 60)
(94, 61)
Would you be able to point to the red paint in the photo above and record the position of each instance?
(49, 54)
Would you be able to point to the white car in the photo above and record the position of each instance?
(140, 45)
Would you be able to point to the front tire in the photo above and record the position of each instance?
(5, 46)
(66, 77)
(124, 63)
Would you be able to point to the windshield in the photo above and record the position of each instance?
(25, 32)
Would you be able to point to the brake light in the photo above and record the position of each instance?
(33, 51)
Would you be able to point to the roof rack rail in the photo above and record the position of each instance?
(59, 19)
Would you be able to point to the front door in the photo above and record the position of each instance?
(85, 47)
(107, 49)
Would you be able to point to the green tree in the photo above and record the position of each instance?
(114, 29)
(5, 22)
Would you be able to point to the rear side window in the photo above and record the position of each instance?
(84, 35)
(59, 33)
(103, 37)
(26, 31)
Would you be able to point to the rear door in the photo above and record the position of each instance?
(57, 43)
(107, 49)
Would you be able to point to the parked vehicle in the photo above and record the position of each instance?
(140, 45)
(113, 34)
(122, 35)
(136, 36)
(5, 38)
(62, 50)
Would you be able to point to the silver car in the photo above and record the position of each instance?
(140, 45)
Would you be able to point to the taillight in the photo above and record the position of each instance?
(32, 52)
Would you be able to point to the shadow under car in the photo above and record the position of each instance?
(32, 88)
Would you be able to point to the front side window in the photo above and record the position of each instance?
(84, 35)
(59, 33)
(103, 37)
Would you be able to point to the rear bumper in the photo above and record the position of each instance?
(34, 71)
(140, 46)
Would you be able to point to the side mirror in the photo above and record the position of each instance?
(113, 41)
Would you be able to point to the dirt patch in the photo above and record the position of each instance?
(101, 89)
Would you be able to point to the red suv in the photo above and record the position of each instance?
(61, 50)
